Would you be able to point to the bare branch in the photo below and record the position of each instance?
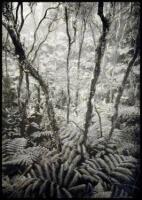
(76, 125)
(17, 9)
(35, 33)
(22, 19)
(67, 25)
(27, 15)
(39, 46)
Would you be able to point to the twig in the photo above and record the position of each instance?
(77, 125)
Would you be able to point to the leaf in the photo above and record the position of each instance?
(52, 189)
(54, 173)
(74, 180)
(113, 159)
(43, 187)
(25, 183)
(77, 188)
(109, 162)
(103, 165)
(59, 194)
(127, 165)
(76, 160)
(28, 191)
(121, 177)
(68, 175)
(67, 193)
(103, 195)
(47, 171)
(92, 164)
(124, 171)
(35, 185)
(60, 175)
(99, 187)
(39, 171)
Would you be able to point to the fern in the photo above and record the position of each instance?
(112, 169)
(10, 147)
(26, 157)
(49, 180)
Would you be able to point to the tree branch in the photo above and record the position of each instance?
(17, 9)
(22, 19)
(42, 42)
(35, 33)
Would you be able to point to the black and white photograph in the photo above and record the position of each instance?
(70, 99)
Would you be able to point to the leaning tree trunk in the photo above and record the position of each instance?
(121, 88)
(99, 55)
(23, 61)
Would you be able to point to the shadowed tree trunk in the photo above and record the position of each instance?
(98, 58)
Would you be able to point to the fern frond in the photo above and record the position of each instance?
(109, 162)
(103, 165)
(11, 147)
(54, 181)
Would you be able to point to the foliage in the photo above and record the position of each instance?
(94, 167)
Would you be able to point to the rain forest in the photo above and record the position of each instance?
(70, 99)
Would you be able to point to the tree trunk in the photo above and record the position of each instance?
(99, 55)
(78, 63)
(23, 61)
(68, 55)
(121, 88)
(19, 86)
